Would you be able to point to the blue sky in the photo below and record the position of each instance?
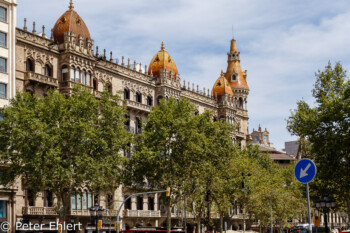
(282, 42)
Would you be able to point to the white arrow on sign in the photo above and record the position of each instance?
(303, 171)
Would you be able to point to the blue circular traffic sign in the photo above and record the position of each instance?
(305, 171)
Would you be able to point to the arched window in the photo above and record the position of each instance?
(109, 87)
(159, 99)
(233, 77)
(83, 77)
(138, 97)
(127, 203)
(77, 75)
(48, 199)
(110, 200)
(126, 94)
(88, 79)
(138, 125)
(48, 70)
(150, 203)
(240, 103)
(30, 65)
(140, 203)
(65, 73)
(85, 200)
(149, 100)
(72, 73)
(78, 199)
(94, 84)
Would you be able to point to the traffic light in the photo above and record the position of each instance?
(120, 226)
(59, 228)
(115, 226)
(317, 221)
(99, 225)
(167, 192)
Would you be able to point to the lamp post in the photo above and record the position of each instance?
(324, 205)
(271, 217)
(243, 191)
(96, 213)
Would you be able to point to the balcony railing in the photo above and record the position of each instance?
(32, 210)
(137, 106)
(142, 213)
(39, 78)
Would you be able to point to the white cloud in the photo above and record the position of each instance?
(282, 43)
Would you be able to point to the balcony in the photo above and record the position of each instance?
(32, 210)
(137, 106)
(142, 213)
(39, 78)
(87, 213)
(46, 211)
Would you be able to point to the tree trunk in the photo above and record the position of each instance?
(348, 205)
(198, 225)
(64, 207)
(168, 220)
(221, 221)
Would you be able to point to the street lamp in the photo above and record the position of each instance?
(324, 205)
(96, 213)
(243, 190)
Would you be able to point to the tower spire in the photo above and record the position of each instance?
(71, 5)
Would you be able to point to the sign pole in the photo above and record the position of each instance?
(305, 172)
(308, 207)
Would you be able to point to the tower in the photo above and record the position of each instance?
(238, 83)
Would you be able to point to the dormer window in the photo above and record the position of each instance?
(234, 77)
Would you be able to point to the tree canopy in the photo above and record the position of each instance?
(324, 129)
(63, 144)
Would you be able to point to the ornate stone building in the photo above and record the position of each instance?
(67, 56)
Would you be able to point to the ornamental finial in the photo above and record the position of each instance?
(71, 5)
(162, 47)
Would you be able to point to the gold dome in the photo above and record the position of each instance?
(70, 21)
(162, 60)
(222, 86)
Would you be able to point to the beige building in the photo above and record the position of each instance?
(262, 139)
(67, 56)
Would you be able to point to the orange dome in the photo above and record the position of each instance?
(72, 22)
(162, 60)
(222, 86)
(234, 73)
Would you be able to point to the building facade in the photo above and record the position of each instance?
(67, 56)
(7, 89)
(7, 51)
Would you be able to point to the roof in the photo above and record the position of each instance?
(70, 21)
(162, 60)
(234, 67)
(222, 86)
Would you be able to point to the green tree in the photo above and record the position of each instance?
(63, 144)
(164, 153)
(271, 184)
(325, 127)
